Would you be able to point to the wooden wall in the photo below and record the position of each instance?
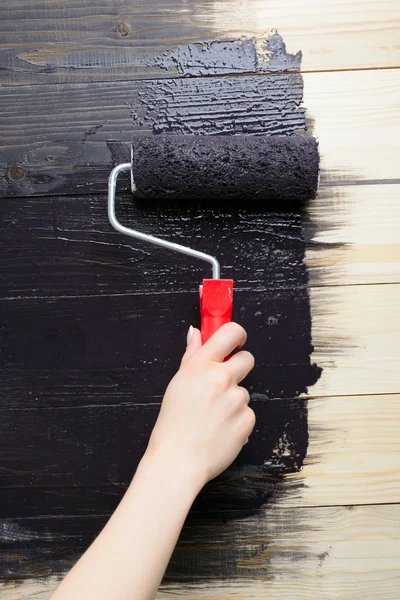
(312, 509)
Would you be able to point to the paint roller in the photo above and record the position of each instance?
(217, 169)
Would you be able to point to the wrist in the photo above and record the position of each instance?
(172, 470)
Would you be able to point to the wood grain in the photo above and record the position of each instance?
(344, 245)
(356, 118)
(345, 550)
(355, 333)
(352, 235)
(354, 453)
(79, 143)
(76, 145)
(54, 236)
(70, 42)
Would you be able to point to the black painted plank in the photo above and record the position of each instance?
(88, 501)
(65, 139)
(141, 384)
(208, 546)
(70, 41)
(102, 445)
(145, 334)
(58, 501)
(66, 246)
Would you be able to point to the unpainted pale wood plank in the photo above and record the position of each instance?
(353, 455)
(72, 41)
(67, 138)
(355, 333)
(343, 553)
(356, 118)
(352, 235)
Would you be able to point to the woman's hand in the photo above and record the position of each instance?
(203, 423)
(205, 419)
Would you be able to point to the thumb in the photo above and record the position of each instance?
(193, 343)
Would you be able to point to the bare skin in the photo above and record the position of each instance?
(203, 424)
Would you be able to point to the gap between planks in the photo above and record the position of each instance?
(322, 185)
(126, 80)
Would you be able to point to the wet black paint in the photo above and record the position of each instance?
(86, 365)
(221, 57)
(268, 104)
(195, 103)
(213, 57)
(274, 57)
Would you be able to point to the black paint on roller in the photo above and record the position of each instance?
(255, 169)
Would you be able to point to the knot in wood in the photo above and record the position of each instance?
(16, 172)
(123, 29)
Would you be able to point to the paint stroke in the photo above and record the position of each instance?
(199, 104)
(273, 55)
(210, 58)
(226, 105)
(210, 99)
(221, 57)
(264, 253)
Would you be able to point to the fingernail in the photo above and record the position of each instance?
(189, 335)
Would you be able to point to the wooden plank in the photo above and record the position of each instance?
(352, 235)
(70, 41)
(355, 333)
(345, 551)
(82, 126)
(119, 322)
(353, 457)
(144, 334)
(85, 129)
(67, 440)
(67, 247)
(355, 116)
(354, 453)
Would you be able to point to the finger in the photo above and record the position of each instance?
(245, 394)
(240, 365)
(224, 341)
(193, 344)
(250, 421)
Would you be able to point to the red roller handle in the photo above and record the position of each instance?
(216, 297)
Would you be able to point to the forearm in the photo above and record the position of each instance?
(203, 423)
(129, 557)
